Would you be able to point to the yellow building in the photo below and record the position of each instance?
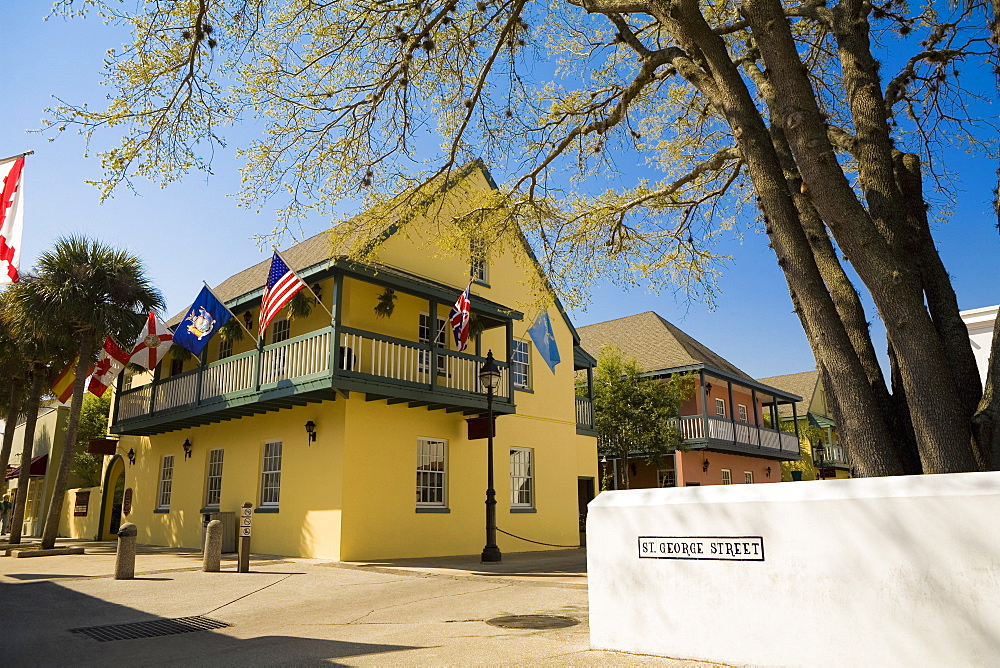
(823, 455)
(360, 436)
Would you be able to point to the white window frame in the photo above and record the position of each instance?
(668, 476)
(270, 474)
(720, 407)
(748, 477)
(281, 330)
(431, 481)
(522, 471)
(743, 413)
(166, 486)
(479, 270)
(424, 336)
(225, 348)
(520, 358)
(213, 478)
(727, 477)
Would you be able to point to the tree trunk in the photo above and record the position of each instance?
(30, 419)
(10, 421)
(986, 422)
(53, 516)
(943, 435)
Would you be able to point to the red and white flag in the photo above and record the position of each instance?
(111, 362)
(11, 219)
(153, 343)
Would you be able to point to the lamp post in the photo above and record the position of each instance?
(489, 376)
(819, 454)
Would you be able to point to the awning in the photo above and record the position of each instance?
(820, 421)
(37, 467)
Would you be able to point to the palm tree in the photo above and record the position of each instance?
(86, 290)
(38, 352)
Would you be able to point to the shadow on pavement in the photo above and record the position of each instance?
(40, 634)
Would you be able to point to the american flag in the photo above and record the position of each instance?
(282, 284)
(460, 319)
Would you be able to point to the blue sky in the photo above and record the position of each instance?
(193, 230)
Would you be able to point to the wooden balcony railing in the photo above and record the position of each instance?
(584, 412)
(833, 455)
(359, 355)
(698, 427)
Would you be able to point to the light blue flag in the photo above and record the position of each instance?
(206, 315)
(545, 340)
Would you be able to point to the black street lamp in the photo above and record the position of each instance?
(819, 455)
(489, 376)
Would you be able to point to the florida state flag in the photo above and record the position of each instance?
(111, 362)
(153, 343)
(11, 215)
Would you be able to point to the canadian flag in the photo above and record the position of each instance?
(111, 362)
(153, 343)
(11, 218)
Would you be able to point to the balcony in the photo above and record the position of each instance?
(710, 433)
(585, 416)
(834, 456)
(308, 369)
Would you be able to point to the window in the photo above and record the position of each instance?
(748, 477)
(727, 477)
(424, 336)
(743, 413)
(166, 481)
(225, 348)
(270, 475)
(666, 478)
(720, 407)
(282, 330)
(176, 366)
(213, 483)
(522, 483)
(431, 472)
(479, 270)
(520, 359)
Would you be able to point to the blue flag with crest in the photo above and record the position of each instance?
(545, 340)
(206, 315)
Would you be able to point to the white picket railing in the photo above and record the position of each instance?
(228, 375)
(395, 359)
(134, 403)
(178, 391)
(693, 427)
(584, 411)
(295, 358)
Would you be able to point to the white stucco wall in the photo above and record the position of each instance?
(898, 571)
(979, 322)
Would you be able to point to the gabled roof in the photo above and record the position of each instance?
(803, 384)
(656, 344)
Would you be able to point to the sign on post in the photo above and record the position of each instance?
(246, 520)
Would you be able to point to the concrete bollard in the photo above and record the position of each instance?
(212, 557)
(125, 558)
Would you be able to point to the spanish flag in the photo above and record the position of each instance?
(63, 387)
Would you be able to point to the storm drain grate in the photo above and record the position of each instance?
(532, 622)
(153, 629)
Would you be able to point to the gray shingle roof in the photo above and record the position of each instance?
(803, 384)
(656, 344)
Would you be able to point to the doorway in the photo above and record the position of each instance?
(585, 494)
(112, 497)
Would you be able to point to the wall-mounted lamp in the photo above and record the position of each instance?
(187, 448)
(708, 387)
(704, 466)
(768, 471)
(131, 456)
(248, 319)
(317, 292)
(311, 432)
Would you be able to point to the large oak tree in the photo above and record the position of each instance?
(817, 120)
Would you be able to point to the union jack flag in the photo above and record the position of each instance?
(282, 284)
(460, 319)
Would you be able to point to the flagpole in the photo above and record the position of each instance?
(315, 296)
(233, 315)
(15, 157)
(448, 322)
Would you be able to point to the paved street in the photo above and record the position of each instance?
(300, 611)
